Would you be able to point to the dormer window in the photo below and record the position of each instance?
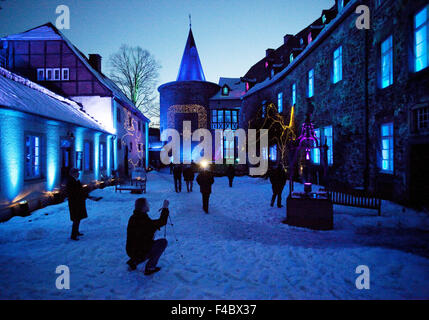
(324, 19)
(225, 90)
(291, 58)
(266, 64)
(272, 73)
(247, 86)
(301, 41)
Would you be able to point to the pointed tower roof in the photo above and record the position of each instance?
(190, 67)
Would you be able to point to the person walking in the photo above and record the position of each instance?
(205, 180)
(278, 180)
(77, 202)
(141, 230)
(230, 172)
(188, 176)
(177, 175)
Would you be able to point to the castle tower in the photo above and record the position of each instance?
(187, 98)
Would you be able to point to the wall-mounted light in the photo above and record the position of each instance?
(21, 208)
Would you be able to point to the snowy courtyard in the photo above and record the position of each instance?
(240, 250)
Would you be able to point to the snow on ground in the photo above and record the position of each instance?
(240, 250)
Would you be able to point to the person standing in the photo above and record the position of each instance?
(205, 180)
(230, 172)
(141, 230)
(177, 175)
(76, 200)
(188, 176)
(278, 180)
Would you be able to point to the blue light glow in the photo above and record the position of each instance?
(52, 157)
(12, 153)
(96, 155)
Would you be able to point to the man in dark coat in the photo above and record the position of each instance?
(278, 180)
(188, 176)
(230, 173)
(205, 180)
(76, 199)
(177, 175)
(140, 233)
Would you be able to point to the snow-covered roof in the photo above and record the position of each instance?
(50, 32)
(20, 94)
(310, 47)
(237, 88)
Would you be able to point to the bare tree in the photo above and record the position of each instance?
(135, 71)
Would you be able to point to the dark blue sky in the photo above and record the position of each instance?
(231, 35)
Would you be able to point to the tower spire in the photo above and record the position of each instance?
(190, 67)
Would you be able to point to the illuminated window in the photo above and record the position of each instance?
(316, 151)
(228, 149)
(337, 72)
(247, 86)
(291, 57)
(33, 153)
(224, 119)
(309, 38)
(310, 82)
(273, 153)
(40, 74)
(328, 138)
(65, 74)
(225, 91)
(280, 102)
(387, 147)
(421, 30)
(88, 156)
(293, 94)
(264, 109)
(387, 62)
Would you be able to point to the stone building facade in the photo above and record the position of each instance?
(369, 103)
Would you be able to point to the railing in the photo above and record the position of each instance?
(355, 198)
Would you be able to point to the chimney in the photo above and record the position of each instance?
(95, 61)
(287, 37)
(268, 52)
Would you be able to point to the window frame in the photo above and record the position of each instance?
(37, 74)
(390, 137)
(63, 78)
(310, 80)
(280, 102)
(389, 52)
(416, 28)
(293, 95)
(41, 157)
(102, 156)
(89, 157)
(339, 65)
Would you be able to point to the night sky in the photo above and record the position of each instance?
(231, 35)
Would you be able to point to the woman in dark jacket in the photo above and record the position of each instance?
(205, 180)
(76, 199)
(188, 176)
(140, 233)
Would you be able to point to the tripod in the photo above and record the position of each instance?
(174, 234)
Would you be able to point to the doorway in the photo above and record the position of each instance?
(66, 158)
(419, 175)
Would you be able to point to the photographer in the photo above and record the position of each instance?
(140, 233)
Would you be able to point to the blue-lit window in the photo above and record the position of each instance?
(387, 62)
(103, 155)
(225, 91)
(280, 102)
(421, 29)
(87, 156)
(328, 138)
(291, 57)
(310, 82)
(264, 109)
(387, 147)
(224, 119)
(33, 154)
(273, 153)
(228, 149)
(316, 151)
(337, 72)
(294, 94)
